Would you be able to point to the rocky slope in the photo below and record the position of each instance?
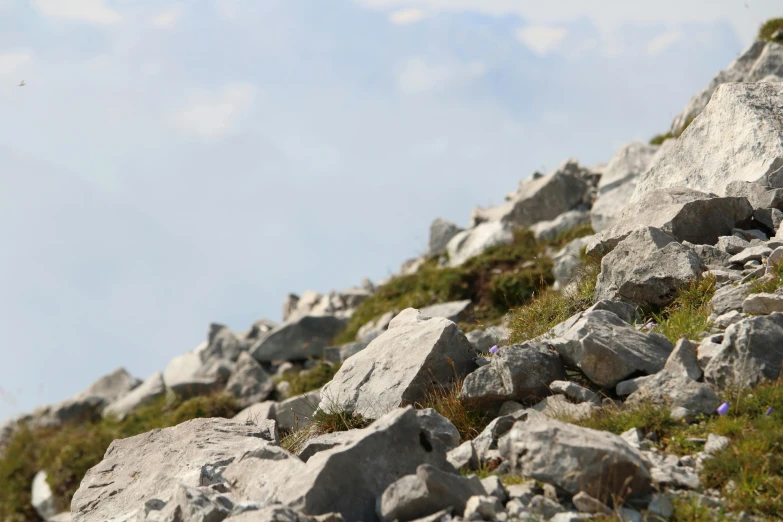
(525, 369)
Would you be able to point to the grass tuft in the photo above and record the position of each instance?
(768, 29)
(322, 423)
(688, 315)
(769, 284)
(468, 420)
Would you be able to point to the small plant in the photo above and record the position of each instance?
(769, 284)
(689, 314)
(769, 28)
(322, 422)
(468, 420)
(658, 139)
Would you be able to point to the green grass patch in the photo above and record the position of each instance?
(468, 420)
(753, 461)
(769, 284)
(688, 314)
(311, 379)
(550, 307)
(497, 280)
(768, 29)
(565, 237)
(67, 453)
(321, 423)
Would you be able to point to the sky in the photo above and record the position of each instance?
(169, 164)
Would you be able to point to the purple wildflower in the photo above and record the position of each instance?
(493, 349)
(723, 409)
(649, 325)
(769, 411)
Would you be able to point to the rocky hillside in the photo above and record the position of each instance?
(605, 345)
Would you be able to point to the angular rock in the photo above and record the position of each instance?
(683, 360)
(494, 487)
(249, 383)
(257, 412)
(392, 447)
(464, 455)
(453, 311)
(748, 148)
(769, 217)
(474, 241)
(545, 506)
(549, 450)
(716, 443)
(187, 375)
(587, 504)
(558, 407)
(575, 392)
(441, 232)
(678, 392)
(729, 298)
(398, 367)
(296, 412)
(147, 392)
(751, 352)
(41, 497)
(549, 230)
(732, 244)
(428, 491)
(191, 504)
(298, 339)
(609, 350)
(751, 253)
(685, 214)
(483, 340)
(151, 466)
(759, 196)
(543, 198)
(709, 255)
(374, 328)
(517, 372)
(439, 427)
(567, 261)
(221, 344)
(763, 304)
(647, 267)
(483, 507)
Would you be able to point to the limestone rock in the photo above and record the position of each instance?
(763, 304)
(249, 383)
(552, 451)
(748, 148)
(374, 328)
(729, 298)
(483, 340)
(441, 232)
(298, 339)
(759, 196)
(147, 392)
(439, 427)
(549, 230)
(399, 366)
(188, 375)
(453, 311)
(575, 392)
(257, 412)
(474, 241)
(41, 497)
(296, 412)
(647, 267)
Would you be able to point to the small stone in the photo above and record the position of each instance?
(480, 507)
(575, 392)
(661, 505)
(494, 487)
(716, 443)
(545, 506)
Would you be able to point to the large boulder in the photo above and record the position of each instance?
(608, 349)
(542, 198)
(299, 338)
(249, 383)
(515, 373)
(441, 232)
(576, 459)
(428, 491)
(618, 182)
(400, 366)
(685, 214)
(147, 392)
(759, 196)
(757, 62)
(472, 242)
(148, 469)
(736, 138)
(647, 267)
(188, 375)
(751, 353)
(347, 478)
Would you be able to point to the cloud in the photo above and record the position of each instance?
(407, 16)
(168, 18)
(418, 76)
(541, 39)
(211, 116)
(11, 62)
(91, 11)
(662, 41)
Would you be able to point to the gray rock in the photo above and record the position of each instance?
(753, 235)
(567, 261)
(411, 266)
(709, 255)
(769, 217)
(150, 390)
(558, 407)
(351, 349)
(221, 344)
(289, 305)
(323, 442)
(257, 412)
(187, 375)
(474, 241)
(624, 388)
(729, 298)
(716, 443)
(647, 267)
(549, 230)
(439, 427)
(272, 513)
(775, 257)
(666, 471)
(732, 244)
(751, 352)
(453, 311)
(151, 466)
(543, 198)
(482, 507)
(661, 506)
(249, 383)
(374, 328)
(749, 147)
(510, 408)
(441, 232)
(545, 506)
(685, 214)
(464, 455)
(677, 391)
(609, 350)
(296, 412)
(549, 450)
(494, 487)
(517, 372)
(488, 439)
(751, 253)
(483, 340)
(575, 392)
(428, 491)
(570, 516)
(190, 504)
(41, 496)
(399, 367)
(738, 71)
(683, 360)
(65, 516)
(763, 304)
(298, 339)
(759, 196)
(587, 504)
(392, 447)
